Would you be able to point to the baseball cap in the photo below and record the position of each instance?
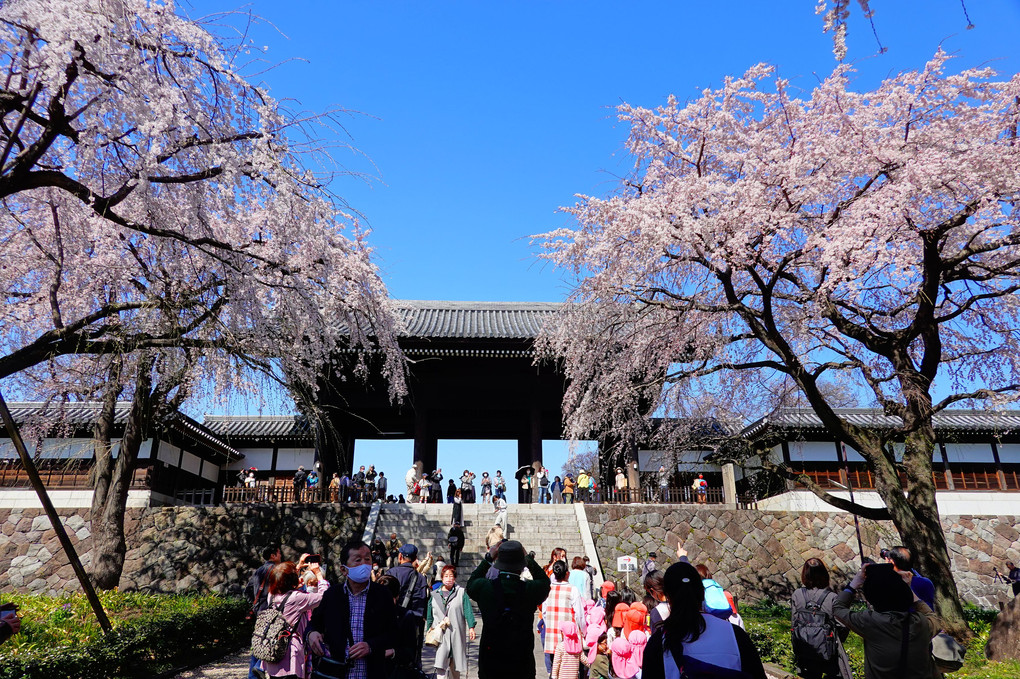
(409, 551)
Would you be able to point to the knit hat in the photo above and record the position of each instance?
(571, 640)
(511, 557)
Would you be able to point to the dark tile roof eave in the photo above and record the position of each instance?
(83, 414)
(1004, 422)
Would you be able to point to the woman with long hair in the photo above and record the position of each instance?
(690, 638)
(458, 508)
(812, 612)
(295, 606)
(558, 554)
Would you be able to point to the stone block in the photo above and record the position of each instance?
(1004, 635)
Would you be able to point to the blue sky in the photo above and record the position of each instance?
(477, 120)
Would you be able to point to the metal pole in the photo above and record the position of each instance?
(51, 512)
(850, 489)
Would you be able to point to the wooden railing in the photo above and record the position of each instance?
(965, 477)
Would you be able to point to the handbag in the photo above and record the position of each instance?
(329, 668)
(434, 637)
(947, 653)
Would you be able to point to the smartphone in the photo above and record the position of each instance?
(313, 558)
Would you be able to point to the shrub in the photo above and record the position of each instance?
(60, 638)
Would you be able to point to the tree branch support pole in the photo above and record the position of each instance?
(51, 512)
(850, 490)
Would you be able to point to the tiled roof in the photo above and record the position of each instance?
(947, 420)
(86, 414)
(68, 414)
(492, 320)
(243, 426)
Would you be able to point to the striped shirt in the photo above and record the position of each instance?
(565, 665)
(358, 669)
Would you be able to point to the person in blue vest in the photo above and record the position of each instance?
(692, 639)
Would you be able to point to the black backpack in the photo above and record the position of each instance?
(813, 634)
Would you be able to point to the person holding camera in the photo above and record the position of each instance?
(285, 594)
(507, 604)
(10, 623)
(354, 623)
(1013, 575)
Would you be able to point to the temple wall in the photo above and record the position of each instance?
(173, 549)
(757, 554)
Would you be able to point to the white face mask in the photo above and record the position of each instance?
(360, 573)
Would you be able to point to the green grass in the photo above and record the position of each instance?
(61, 637)
(768, 625)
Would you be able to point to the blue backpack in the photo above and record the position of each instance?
(716, 602)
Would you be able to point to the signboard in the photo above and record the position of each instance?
(626, 564)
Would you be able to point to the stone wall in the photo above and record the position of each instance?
(172, 549)
(759, 554)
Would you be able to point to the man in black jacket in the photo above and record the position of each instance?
(414, 589)
(355, 621)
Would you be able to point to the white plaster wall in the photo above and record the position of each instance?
(950, 502)
(71, 499)
(253, 457)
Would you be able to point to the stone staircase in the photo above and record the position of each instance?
(540, 528)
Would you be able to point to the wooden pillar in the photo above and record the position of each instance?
(426, 446)
(729, 485)
(945, 462)
(1000, 475)
(535, 438)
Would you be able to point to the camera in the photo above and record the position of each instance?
(884, 553)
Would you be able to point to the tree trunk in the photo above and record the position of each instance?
(916, 518)
(108, 544)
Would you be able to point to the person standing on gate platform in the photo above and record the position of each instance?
(499, 485)
(581, 486)
(380, 486)
(507, 604)
(451, 491)
(525, 497)
(543, 486)
(486, 484)
(436, 479)
(300, 477)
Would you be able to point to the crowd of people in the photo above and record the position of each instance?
(388, 601)
(535, 485)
